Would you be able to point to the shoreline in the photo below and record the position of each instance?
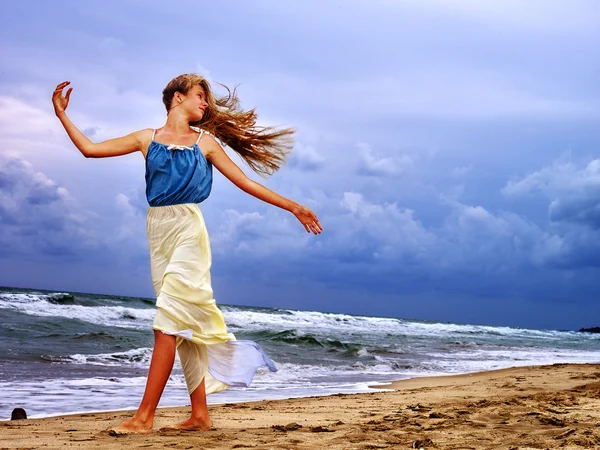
(373, 387)
(546, 406)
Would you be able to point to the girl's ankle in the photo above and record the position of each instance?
(144, 418)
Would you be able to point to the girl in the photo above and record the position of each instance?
(179, 160)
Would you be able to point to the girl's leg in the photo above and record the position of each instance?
(200, 419)
(163, 357)
(199, 406)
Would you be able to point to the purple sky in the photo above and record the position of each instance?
(450, 149)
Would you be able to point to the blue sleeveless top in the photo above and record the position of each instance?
(176, 174)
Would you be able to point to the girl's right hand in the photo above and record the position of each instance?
(60, 103)
(308, 219)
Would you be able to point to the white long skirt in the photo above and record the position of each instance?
(180, 261)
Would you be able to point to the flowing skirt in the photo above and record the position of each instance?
(180, 261)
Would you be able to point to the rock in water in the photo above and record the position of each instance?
(590, 330)
(18, 414)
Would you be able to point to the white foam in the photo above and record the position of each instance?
(490, 359)
(311, 322)
(320, 323)
(137, 357)
(111, 394)
(38, 305)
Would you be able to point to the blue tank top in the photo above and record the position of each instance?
(176, 174)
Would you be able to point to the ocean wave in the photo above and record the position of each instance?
(319, 373)
(92, 337)
(343, 332)
(95, 337)
(320, 324)
(498, 358)
(137, 357)
(61, 298)
(47, 305)
(302, 338)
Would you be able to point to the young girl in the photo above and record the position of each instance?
(179, 159)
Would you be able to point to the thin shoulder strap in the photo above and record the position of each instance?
(199, 136)
(153, 133)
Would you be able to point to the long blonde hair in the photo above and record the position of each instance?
(265, 149)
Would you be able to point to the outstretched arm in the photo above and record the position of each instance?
(218, 158)
(112, 147)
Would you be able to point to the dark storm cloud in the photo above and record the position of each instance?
(412, 116)
(583, 209)
(572, 190)
(38, 216)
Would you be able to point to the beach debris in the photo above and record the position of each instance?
(289, 427)
(418, 407)
(421, 443)
(395, 417)
(18, 414)
(392, 417)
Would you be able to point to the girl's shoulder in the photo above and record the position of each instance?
(144, 134)
(145, 137)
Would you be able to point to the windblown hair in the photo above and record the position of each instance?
(265, 149)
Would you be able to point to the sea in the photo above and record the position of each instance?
(67, 352)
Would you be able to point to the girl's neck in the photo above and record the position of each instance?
(176, 125)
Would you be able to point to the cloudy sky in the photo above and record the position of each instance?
(451, 149)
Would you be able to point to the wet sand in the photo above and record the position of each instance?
(556, 406)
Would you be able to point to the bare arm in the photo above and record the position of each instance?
(112, 147)
(218, 158)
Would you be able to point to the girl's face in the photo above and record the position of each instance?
(195, 103)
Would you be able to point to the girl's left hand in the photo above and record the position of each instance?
(60, 103)
(308, 219)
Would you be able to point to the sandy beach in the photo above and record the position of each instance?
(552, 406)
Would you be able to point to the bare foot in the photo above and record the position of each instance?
(190, 425)
(131, 426)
